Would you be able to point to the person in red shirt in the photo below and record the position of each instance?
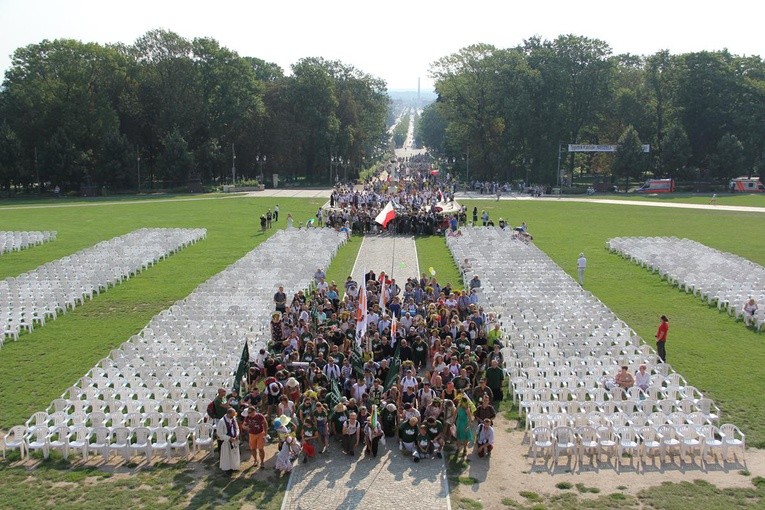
(661, 338)
(256, 426)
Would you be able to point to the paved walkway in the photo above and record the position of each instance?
(396, 255)
(390, 481)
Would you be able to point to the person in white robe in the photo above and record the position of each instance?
(228, 432)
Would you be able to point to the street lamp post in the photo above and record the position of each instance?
(333, 161)
(261, 161)
(138, 167)
(560, 151)
(467, 168)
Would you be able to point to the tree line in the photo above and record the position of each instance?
(169, 111)
(515, 109)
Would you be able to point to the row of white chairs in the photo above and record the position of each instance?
(721, 279)
(563, 344)
(639, 442)
(176, 364)
(11, 240)
(105, 441)
(27, 300)
(170, 418)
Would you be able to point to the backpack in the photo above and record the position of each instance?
(211, 409)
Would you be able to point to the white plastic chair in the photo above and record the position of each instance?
(79, 439)
(651, 442)
(690, 441)
(100, 441)
(565, 443)
(120, 441)
(160, 441)
(203, 436)
(58, 439)
(629, 443)
(180, 440)
(541, 441)
(669, 440)
(732, 437)
(16, 438)
(140, 442)
(712, 441)
(38, 440)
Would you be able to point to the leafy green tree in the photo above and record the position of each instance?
(706, 97)
(175, 162)
(729, 160)
(10, 157)
(116, 165)
(629, 160)
(676, 151)
(430, 132)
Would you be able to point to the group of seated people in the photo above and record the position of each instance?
(625, 380)
(433, 378)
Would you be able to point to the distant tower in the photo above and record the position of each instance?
(418, 91)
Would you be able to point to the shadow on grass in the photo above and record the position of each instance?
(197, 485)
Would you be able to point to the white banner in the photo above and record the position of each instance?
(600, 148)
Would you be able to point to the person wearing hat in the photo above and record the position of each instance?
(227, 431)
(407, 434)
(581, 265)
(292, 387)
(389, 419)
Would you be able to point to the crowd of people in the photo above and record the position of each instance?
(427, 372)
(417, 195)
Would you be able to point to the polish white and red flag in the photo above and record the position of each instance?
(361, 313)
(387, 214)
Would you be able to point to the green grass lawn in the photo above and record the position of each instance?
(742, 199)
(719, 356)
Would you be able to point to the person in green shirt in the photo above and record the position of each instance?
(494, 335)
(407, 434)
(435, 430)
(423, 444)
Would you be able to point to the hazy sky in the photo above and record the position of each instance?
(394, 40)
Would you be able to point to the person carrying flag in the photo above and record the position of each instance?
(373, 432)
